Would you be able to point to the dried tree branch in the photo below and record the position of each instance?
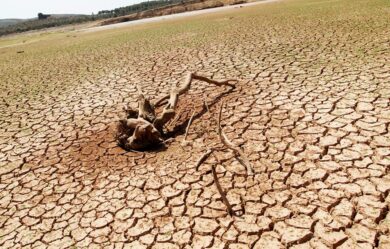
(186, 86)
(220, 190)
(237, 150)
(142, 128)
(206, 104)
(145, 109)
(130, 111)
(169, 110)
(137, 134)
(188, 125)
(216, 181)
(203, 158)
(215, 82)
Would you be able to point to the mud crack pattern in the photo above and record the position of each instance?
(311, 110)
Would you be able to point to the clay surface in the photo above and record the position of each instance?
(311, 110)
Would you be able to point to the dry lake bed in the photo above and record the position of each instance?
(311, 109)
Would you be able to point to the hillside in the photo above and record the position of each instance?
(122, 14)
(173, 9)
(10, 26)
(8, 22)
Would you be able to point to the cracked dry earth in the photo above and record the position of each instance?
(311, 110)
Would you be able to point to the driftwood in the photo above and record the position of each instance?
(142, 128)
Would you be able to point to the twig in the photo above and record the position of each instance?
(187, 84)
(145, 109)
(220, 190)
(169, 110)
(215, 82)
(169, 140)
(177, 117)
(216, 181)
(206, 104)
(237, 150)
(203, 158)
(188, 125)
(142, 128)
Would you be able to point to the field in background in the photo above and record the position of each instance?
(104, 17)
(44, 21)
(311, 110)
(174, 9)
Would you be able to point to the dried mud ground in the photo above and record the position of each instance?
(311, 110)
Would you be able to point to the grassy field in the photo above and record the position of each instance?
(311, 110)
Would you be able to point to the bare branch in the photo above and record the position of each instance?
(237, 150)
(203, 158)
(216, 181)
(142, 129)
(188, 125)
(164, 118)
(221, 192)
(206, 104)
(130, 112)
(172, 96)
(169, 110)
(137, 134)
(215, 82)
(187, 84)
(145, 109)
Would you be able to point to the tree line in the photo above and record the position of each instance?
(53, 21)
(122, 11)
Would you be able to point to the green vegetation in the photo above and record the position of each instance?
(54, 21)
(122, 11)
(36, 24)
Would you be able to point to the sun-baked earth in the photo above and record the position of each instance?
(311, 110)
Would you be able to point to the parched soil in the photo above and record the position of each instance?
(311, 110)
